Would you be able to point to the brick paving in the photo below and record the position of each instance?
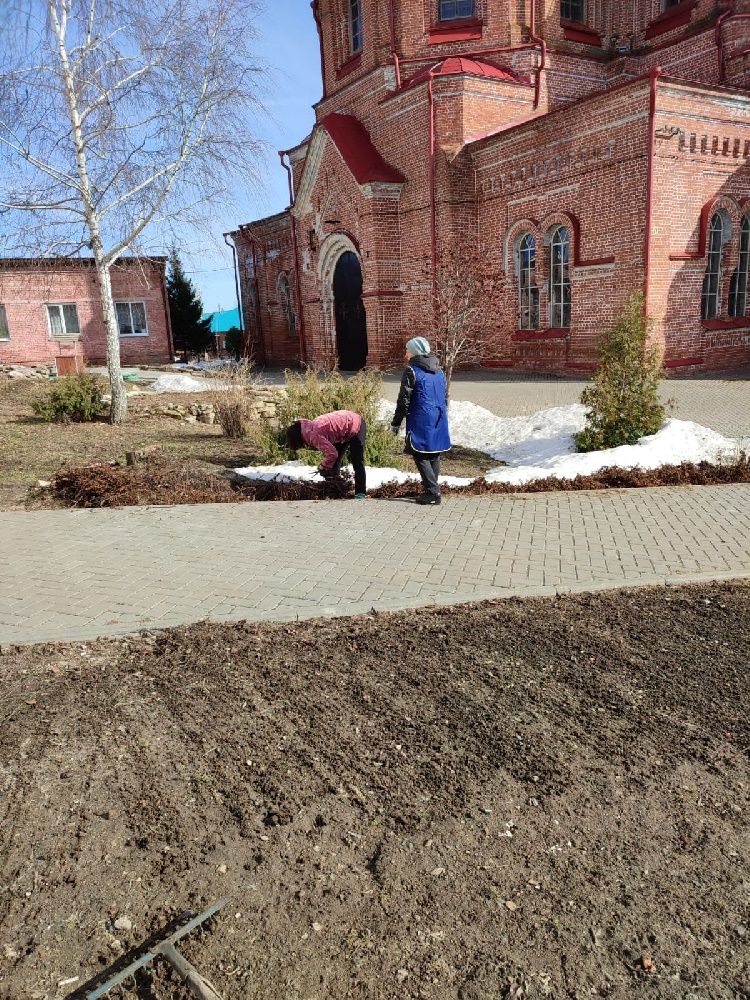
(85, 573)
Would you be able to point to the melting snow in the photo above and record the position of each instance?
(538, 446)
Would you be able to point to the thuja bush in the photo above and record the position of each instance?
(76, 399)
(623, 401)
(310, 394)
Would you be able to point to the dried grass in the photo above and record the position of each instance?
(232, 398)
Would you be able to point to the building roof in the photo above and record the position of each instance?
(224, 320)
(72, 262)
(460, 65)
(353, 141)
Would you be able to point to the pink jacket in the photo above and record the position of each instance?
(325, 432)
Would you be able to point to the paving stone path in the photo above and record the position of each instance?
(81, 574)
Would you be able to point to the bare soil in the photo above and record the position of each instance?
(31, 450)
(520, 799)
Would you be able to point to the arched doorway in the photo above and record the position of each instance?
(350, 316)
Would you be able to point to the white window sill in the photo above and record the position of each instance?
(70, 337)
(132, 336)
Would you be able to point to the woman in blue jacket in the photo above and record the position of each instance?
(423, 400)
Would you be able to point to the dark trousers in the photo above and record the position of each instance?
(356, 448)
(428, 466)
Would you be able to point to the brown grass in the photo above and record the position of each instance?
(31, 450)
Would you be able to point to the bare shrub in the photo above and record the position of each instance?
(232, 398)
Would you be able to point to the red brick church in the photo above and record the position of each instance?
(561, 153)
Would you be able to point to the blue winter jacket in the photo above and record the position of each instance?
(423, 400)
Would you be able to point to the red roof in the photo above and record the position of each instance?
(355, 145)
(458, 65)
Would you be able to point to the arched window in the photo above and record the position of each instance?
(356, 36)
(559, 278)
(287, 305)
(738, 287)
(453, 10)
(719, 231)
(528, 293)
(573, 10)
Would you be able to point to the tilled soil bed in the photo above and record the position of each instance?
(546, 798)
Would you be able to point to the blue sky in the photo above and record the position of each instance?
(288, 45)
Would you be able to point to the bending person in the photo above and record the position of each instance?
(333, 434)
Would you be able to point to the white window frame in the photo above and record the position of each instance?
(559, 278)
(570, 16)
(445, 16)
(66, 334)
(719, 234)
(4, 325)
(356, 28)
(738, 284)
(130, 303)
(528, 290)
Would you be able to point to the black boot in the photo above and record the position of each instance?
(427, 498)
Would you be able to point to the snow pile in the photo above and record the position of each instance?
(541, 445)
(516, 440)
(678, 441)
(537, 447)
(182, 383)
(292, 472)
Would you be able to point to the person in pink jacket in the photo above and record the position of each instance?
(334, 434)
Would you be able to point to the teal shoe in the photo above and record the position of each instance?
(360, 496)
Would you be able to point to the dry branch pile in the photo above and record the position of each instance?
(156, 482)
(153, 482)
(687, 474)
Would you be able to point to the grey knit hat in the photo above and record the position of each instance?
(418, 345)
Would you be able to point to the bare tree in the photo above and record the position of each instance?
(120, 117)
(465, 316)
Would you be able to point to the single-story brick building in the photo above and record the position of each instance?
(566, 153)
(50, 312)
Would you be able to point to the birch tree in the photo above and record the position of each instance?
(120, 119)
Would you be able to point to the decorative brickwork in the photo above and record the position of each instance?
(446, 141)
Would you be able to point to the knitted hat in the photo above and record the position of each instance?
(418, 345)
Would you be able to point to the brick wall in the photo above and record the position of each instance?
(26, 288)
(580, 159)
(701, 165)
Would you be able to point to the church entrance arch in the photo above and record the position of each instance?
(345, 316)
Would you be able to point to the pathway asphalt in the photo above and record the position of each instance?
(76, 575)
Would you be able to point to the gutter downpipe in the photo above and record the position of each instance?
(237, 286)
(297, 281)
(433, 204)
(537, 40)
(394, 51)
(315, 5)
(168, 315)
(256, 286)
(654, 75)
